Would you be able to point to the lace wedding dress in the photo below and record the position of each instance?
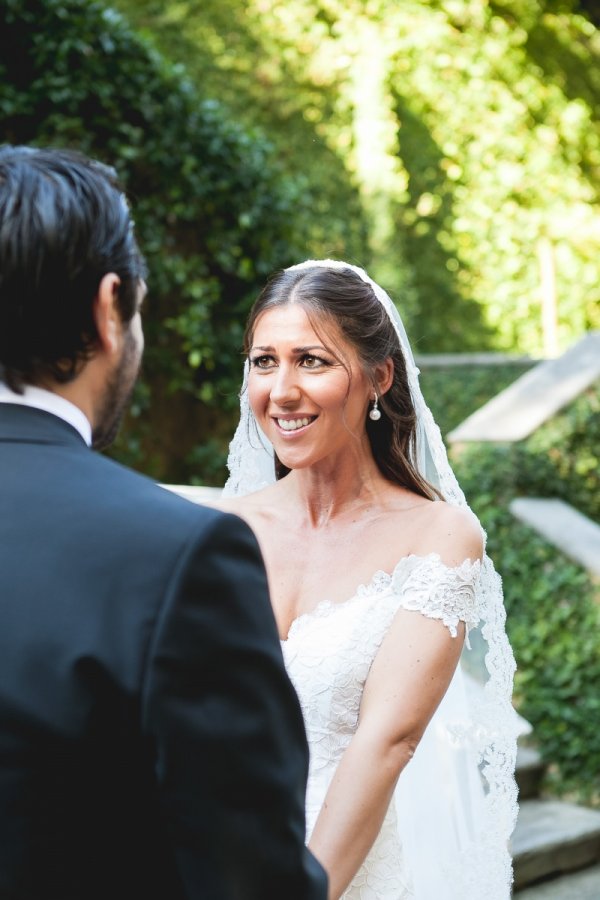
(445, 835)
(328, 654)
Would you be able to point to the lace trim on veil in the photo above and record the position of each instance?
(479, 864)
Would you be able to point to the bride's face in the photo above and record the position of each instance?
(307, 390)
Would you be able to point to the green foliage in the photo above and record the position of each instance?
(466, 134)
(553, 621)
(564, 456)
(227, 49)
(470, 129)
(215, 213)
(553, 608)
(498, 133)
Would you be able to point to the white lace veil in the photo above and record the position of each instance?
(455, 834)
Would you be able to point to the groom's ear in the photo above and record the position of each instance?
(107, 316)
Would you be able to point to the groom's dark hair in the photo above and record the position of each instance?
(64, 224)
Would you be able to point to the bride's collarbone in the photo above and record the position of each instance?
(405, 513)
(334, 553)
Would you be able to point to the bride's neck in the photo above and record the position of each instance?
(330, 491)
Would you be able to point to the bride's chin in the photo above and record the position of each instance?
(295, 464)
(290, 460)
(295, 457)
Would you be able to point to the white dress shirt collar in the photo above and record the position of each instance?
(39, 398)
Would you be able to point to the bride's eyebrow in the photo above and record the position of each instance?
(310, 348)
(297, 350)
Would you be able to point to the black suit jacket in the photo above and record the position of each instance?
(151, 745)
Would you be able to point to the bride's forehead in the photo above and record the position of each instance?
(291, 319)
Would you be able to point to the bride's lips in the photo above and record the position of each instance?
(292, 425)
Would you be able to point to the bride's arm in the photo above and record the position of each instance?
(408, 679)
(406, 683)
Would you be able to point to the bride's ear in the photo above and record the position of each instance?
(383, 376)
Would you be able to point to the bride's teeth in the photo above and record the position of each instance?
(292, 424)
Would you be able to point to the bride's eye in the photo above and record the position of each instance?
(262, 362)
(313, 362)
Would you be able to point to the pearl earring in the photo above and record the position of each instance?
(375, 412)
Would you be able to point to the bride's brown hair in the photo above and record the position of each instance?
(344, 299)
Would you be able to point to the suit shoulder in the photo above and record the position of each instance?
(141, 500)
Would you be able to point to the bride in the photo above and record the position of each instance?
(377, 571)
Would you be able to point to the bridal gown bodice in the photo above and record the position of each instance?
(328, 655)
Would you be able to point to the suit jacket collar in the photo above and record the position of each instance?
(29, 425)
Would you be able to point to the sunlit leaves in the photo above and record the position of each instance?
(470, 129)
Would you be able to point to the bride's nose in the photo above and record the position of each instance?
(284, 387)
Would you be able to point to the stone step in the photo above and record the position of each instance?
(552, 838)
(529, 772)
(535, 397)
(459, 360)
(562, 525)
(582, 885)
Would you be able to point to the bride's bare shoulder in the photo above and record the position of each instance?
(253, 508)
(451, 532)
(454, 533)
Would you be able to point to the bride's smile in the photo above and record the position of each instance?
(294, 424)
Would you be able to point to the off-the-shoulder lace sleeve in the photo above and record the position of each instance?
(448, 593)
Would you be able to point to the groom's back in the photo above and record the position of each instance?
(84, 551)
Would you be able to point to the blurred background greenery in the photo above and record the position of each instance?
(452, 147)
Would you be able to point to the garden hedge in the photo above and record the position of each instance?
(215, 213)
(453, 392)
(553, 605)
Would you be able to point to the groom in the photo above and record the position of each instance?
(151, 746)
